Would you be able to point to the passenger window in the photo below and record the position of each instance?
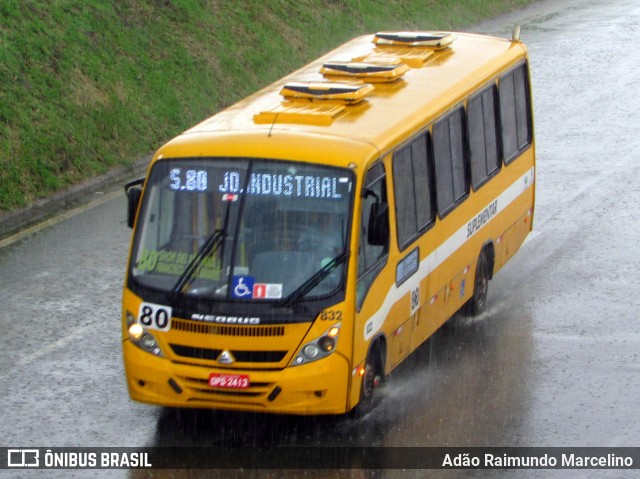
(515, 112)
(373, 245)
(483, 136)
(456, 136)
(449, 161)
(412, 186)
(522, 106)
(404, 195)
(422, 183)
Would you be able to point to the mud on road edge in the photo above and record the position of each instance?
(43, 209)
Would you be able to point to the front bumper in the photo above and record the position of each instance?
(320, 387)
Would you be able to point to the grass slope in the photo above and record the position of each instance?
(86, 86)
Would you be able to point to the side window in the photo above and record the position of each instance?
(425, 214)
(483, 136)
(449, 161)
(412, 186)
(373, 245)
(515, 112)
(458, 169)
(404, 195)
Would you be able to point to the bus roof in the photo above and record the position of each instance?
(311, 116)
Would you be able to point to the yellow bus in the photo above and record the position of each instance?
(292, 250)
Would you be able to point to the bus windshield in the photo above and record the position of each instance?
(243, 229)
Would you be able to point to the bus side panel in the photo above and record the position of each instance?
(510, 241)
(429, 318)
(518, 221)
(452, 282)
(401, 342)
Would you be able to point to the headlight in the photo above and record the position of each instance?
(141, 338)
(136, 331)
(318, 348)
(327, 343)
(310, 351)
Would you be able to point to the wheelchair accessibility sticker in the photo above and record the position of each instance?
(242, 287)
(245, 287)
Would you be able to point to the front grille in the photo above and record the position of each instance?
(240, 356)
(227, 330)
(197, 353)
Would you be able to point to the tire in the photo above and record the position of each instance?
(373, 374)
(478, 302)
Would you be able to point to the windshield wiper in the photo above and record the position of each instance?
(209, 247)
(314, 280)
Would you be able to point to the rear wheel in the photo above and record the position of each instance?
(478, 301)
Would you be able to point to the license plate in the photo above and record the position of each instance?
(229, 381)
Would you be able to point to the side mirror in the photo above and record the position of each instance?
(378, 227)
(133, 189)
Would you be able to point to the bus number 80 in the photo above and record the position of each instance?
(155, 316)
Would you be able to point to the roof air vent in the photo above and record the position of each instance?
(373, 72)
(316, 103)
(344, 92)
(435, 40)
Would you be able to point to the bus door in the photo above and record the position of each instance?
(373, 250)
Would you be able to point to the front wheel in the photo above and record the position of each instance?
(373, 373)
(478, 301)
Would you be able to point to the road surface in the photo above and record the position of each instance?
(553, 362)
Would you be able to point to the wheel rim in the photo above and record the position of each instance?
(368, 380)
(482, 282)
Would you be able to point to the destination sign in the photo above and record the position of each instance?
(295, 186)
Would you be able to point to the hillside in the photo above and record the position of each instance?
(87, 86)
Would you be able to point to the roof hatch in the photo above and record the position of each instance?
(326, 90)
(435, 40)
(373, 72)
(414, 49)
(300, 105)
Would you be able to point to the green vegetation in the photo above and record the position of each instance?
(87, 86)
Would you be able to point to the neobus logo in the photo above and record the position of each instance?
(211, 318)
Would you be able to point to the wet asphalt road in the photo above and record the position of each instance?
(554, 361)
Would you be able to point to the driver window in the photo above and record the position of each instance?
(372, 254)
